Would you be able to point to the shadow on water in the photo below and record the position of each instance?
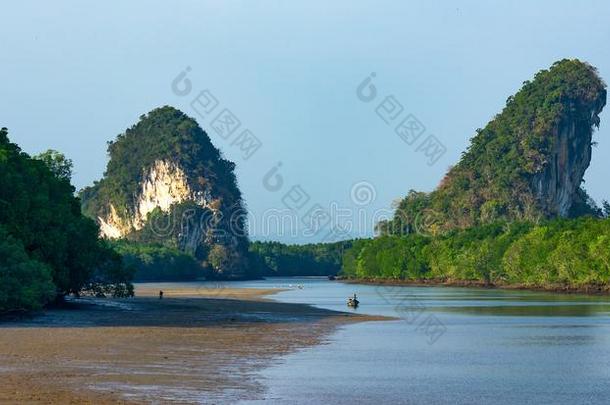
(495, 302)
(529, 310)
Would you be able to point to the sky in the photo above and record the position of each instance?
(74, 75)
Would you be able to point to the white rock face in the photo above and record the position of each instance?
(163, 185)
(112, 227)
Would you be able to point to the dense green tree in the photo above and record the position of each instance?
(156, 262)
(57, 162)
(278, 259)
(39, 210)
(392, 258)
(558, 253)
(25, 284)
(606, 209)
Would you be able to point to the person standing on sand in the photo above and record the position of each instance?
(160, 294)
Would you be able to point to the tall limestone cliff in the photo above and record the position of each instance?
(527, 164)
(166, 183)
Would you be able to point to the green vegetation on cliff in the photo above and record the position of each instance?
(164, 133)
(47, 247)
(526, 164)
(170, 154)
(496, 217)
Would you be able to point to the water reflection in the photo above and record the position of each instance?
(550, 310)
(554, 340)
(500, 346)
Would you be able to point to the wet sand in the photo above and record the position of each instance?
(195, 345)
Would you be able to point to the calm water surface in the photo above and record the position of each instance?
(450, 345)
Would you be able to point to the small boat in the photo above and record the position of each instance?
(332, 278)
(353, 302)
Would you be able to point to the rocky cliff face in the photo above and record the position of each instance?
(527, 163)
(557, 185)
(162, 185)
(166, 183)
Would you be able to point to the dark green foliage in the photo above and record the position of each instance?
(110, 276)
(495, 178)
(278, 259)
(25, 284)
(584, 205)
(38, 209)
(169, 228)
(574, 253)
(606, 209)
(388, 257)
(555, 254)
(473, 254)
(158, 262)
(169, 135)
(57, 162)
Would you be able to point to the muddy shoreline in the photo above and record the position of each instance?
(560, 289)
(192, 346)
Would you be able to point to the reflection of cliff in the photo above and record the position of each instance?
(528, 163)
(166, 183)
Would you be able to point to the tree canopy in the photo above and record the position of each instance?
(559, 253)
(57, 162)
(316, 259)
(51, 241)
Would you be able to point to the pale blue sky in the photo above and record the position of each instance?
(76, 75)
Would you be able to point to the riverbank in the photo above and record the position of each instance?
(196, 344)
(588, 290)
